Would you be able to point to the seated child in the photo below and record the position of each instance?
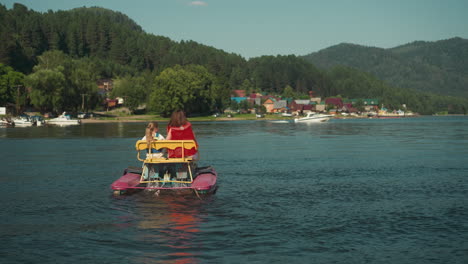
(151, 134)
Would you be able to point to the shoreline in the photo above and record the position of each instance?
(129, 120)
(144, 119)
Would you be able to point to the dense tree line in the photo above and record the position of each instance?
(59, 82)
(191, 88)
(274, 73)
(11, 86)
(100, 33)
(59, 56)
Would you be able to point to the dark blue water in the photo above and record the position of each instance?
(347, 191)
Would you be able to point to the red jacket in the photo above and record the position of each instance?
(184, 132)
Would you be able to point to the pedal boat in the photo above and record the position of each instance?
(164, 174)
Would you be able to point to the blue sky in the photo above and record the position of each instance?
(254, 28)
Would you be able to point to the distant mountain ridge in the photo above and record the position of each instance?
(439, 67)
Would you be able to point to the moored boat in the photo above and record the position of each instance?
(313, 118)
(166, 174)
(22, 121)
(63, 119)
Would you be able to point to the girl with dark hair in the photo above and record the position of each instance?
(179, 128)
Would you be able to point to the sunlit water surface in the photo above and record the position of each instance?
(346, 191)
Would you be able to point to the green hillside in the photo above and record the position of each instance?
(98, 33)
(439, 67)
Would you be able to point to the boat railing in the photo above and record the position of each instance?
(162, 145)
(165, 146)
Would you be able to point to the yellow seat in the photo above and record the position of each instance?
(169, 145)
(165, 144)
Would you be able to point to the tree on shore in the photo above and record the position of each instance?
(135, 90)
(11, 83)
(288, 92)
(60, 83)
(47, 89)
(190, 88)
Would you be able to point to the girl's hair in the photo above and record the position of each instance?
(149, 135)
(177, 119)
(149, 132)
(152, 125)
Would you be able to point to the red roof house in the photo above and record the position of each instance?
(336, 101)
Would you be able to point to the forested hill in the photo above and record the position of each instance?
(439, 67)
(119, 47)
(98, 33)
(108, 44)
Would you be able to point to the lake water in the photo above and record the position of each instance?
(346, 191)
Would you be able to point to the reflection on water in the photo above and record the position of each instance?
(168, 223)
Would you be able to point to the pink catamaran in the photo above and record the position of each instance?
(166, 169)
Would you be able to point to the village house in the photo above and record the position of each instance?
(295, 107)
(280, 106)
(336, 102)
(320, 107)
(369, 104)
(110, 103)
(317, 100)
(300, 106)
(238, 96)
(269, 104)
(105, 86)
(348, 108)
(317, 104)
(302, 102)
(255, 98)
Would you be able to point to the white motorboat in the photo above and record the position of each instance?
(313, 118)
(63, 119)
(22, 121)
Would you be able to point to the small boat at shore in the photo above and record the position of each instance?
(313, 118)
(166, 174)
(22, 121)
(63, 119)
